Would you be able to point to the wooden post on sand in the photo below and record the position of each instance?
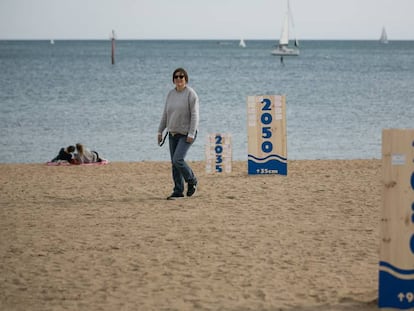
(396, 266)
(266, 126)
(218, 153)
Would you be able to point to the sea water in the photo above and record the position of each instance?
(340, 95)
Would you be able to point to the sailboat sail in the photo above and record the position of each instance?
(242, 43)
(384, 38)
(283, 48)
(284, 37)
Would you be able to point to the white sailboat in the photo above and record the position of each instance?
(283, 48)
(52, 41)
(384, 37)
(242, 43)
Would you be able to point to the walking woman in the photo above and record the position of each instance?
(180, 117)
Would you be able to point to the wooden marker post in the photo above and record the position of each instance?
(218, 153)
(396, 267)
(266, 125)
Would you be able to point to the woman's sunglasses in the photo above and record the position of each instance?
(181, 77)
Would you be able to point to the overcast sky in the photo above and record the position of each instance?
(204, 19)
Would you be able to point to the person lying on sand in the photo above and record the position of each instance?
(65, 154)
(84, 155)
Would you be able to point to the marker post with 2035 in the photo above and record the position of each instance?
(218, 153)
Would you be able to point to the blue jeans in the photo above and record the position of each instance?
(180, 170)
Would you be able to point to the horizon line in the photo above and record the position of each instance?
(194, 39)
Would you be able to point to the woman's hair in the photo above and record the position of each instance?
(71, 148)
(180, 70)
(79, 148)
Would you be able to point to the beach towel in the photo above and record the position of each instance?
(66, 163)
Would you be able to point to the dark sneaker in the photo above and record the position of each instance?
(192, 187)
(175, 196)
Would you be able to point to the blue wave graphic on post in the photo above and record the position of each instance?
(272, 164)
(396, 287)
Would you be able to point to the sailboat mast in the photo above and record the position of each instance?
(293, 25)
(284, 36)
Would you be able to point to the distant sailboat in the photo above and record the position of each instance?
(283, 48)
(384, 38)
(52, 41)
(242, 43)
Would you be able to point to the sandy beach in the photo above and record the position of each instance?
(105, 238)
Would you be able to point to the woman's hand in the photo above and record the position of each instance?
(159, 138)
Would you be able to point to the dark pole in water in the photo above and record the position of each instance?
(113, 47)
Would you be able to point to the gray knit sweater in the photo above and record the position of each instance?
(181, 112)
